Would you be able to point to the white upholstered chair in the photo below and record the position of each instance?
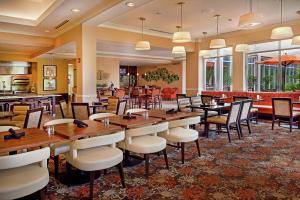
(135, 110)
(144, 140)
(24, 174)
(59, 147)
(97, 153)
(101, 115)
(5, 128)
(180, 132)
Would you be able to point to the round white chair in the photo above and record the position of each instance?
(24, 174)
(144, 140)
(135, 110)
(180, 132)
(97, 153)
(5, 128)
(101, 115)
(59, 147)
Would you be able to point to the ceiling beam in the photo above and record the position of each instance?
(25, 40)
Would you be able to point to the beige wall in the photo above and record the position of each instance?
(110, 68)
(172, 68)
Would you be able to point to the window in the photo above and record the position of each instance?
(218, 69)
(273, 66)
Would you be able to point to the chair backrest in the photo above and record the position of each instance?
(183, 104)
(80, 111)
(20, 110)
(121, 107)
(112, 104)
(240, 98)
(5, 128)
(206, 99)
(97, 141)
(101, 115)
(196, 100)
(180, 96)
(282, 107)
(246, 108)
(33, 118)
(58, 121)
(184, 122)
(63, 108)
(234, 113)
(135, 110)
(22, 159)
(147, 130)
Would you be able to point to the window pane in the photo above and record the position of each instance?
(227, 65)
(210, 66)
(264, 46)
(286, 44)
(252, 73)
(290, 62)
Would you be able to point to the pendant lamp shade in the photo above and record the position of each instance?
(142, 45)
(217, 43)
(250, 20)
(242, 48)
(282, 32)
(296, 40)
(178, 50)
(204, 52)
(181, 36)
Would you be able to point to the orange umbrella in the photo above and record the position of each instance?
(285, 60)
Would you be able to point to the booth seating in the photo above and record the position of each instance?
(264, 106)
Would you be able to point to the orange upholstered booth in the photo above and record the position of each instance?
(265, 106)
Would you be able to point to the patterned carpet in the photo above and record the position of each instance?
(264, 165)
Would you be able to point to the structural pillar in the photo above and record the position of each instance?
(192, 71)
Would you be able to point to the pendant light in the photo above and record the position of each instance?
(282, 32)
(142, 45)
(242, 48)
(296, 40)
(204, 52)
(217, 43)
(250, 20)
(181, 36)
(178, 49)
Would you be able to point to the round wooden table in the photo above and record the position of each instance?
(4, 115)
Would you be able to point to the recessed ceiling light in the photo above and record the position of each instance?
(47, 31)
(75, 10)
(130, 4)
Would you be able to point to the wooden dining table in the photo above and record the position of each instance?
(5, 114)
(72, 132)
(162, 114)
(33, 138)
(138, 121)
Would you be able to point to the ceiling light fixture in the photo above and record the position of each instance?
(217, 43)
(142, 45)
(204, 52)
(75, 10)
(296, 40)
(130, 4)
(242, 48)
(282, 32)
(250, 20)
(178, 49)
(181, 36)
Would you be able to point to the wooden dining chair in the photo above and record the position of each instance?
(24, 174)
(184, 104)
(121, 108)
(245, 116)
(206, 99)
(64, 109)
(253, 111)
(33, 118)
(20, 110)
(283, 112)
(95, 154)
(228, 121)
(80, 111)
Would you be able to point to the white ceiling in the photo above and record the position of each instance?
(163, 15)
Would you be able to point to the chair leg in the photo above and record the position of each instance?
(291, 125)
(56, 165)
(121, 172)
(146, 156)
(241, 129)
(182, 152)
(166, 158)
(273, 121)
(198, 147)
(92, 177)
(238, 130)
(228, 132)
(42, 193)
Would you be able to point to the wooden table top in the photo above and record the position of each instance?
(133, 123)
(72, 132)
(4, 115)
(168, 117)
(33, 138)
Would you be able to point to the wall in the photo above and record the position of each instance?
(172, 68)
(110, 70)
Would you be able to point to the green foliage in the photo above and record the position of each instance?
(251, 82)
(160, 73)
(296, 82)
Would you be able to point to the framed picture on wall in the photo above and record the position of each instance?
(49, 70)
(49, 84)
